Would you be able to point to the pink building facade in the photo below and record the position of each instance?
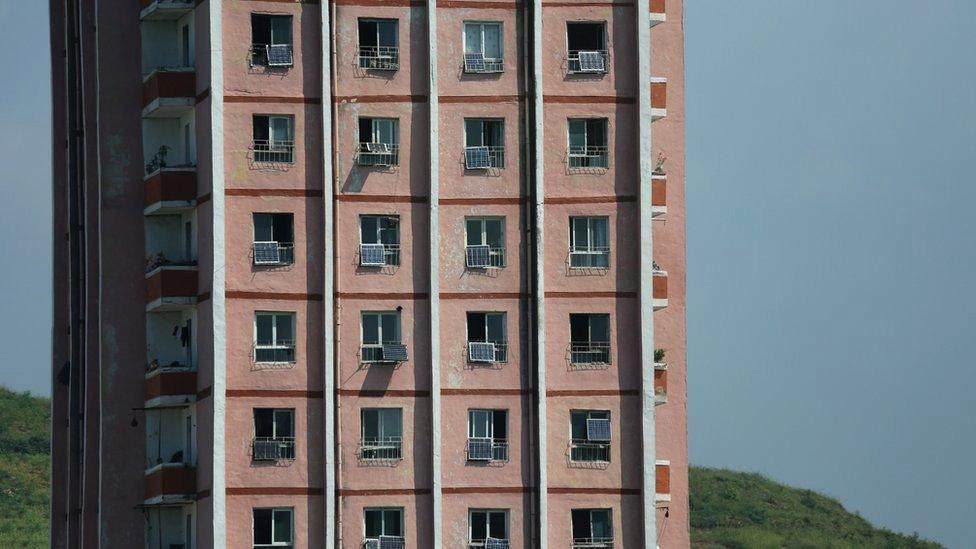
(366, 273)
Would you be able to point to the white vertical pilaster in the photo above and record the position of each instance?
(328, 298)
(435, 312)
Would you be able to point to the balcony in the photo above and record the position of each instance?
(589, 354)
(378, 155)
(168, 93)
(380, 450)
(170, 483)
(589, 257)
(166, 526)
(660, 288)
(170, 191)
(272, 55)
(484, 158)
(585, 450)
(164, 10)
(170, 385)
(484, 257)
(477, 63)
(487, 449)
(379, 58)
(659, 198)
(274, 151)
(662, 480)
(271, 253)
(488, 352)
(592, 543)
(387, 353)
(658, 15)
(589, 157)
(587, 62)
(171, 288)
(660, 383)
(488, 543)
(273, 449)
(270, 353)
(383, 542)
(659, 98)
(379, 255)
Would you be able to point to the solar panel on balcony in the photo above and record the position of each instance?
(266, 253)
(591, 61)
(279, 55)
(390, 542)
(372, 255)
(495, 543)
(474, 62)
(371, 544)
(478, 256)
(394, 352)
(479, 449)
(598, 429)
(378, 148)
(481, 352)
(476, 158)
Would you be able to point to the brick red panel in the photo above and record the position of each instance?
(167, 283)
(171, 186)
(168, 84)
(171, 383)
(660, 287)
(663, 479)
(659, 192)
(171, 481)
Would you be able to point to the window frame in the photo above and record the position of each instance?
(382, 511)
(591, 250)
(275, 343)
(380, 314)
(482, 24)
(488, 512)
(274, 510)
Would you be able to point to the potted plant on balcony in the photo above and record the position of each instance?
(659, 356)
(659, 165)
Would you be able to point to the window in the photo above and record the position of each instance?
(379, 142)
(379, 238)
(590, 432)
(274, 337)
(382, 434)
(589, 242)
(272, 527)
(383, 527)
(487, 337)
(274, 138)
(588, 143)
(381, 337)
(587, 45)
(484, 143)
(483, 47)
(592, 528)
(274, 434)
(487, 435)
(274, 239)
(378, 44)
(486, 526)
(589, 336)
(485, 239)
(185, 45)
(271, 40)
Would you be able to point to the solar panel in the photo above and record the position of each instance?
(474, 62)
(394, 352)
(379, 148)
(266, 253)
(495, 543)
(478, 256)
(476, 158)
(279, 55)
(390, 542)
(372, 544)
(598, 430)
(372, 255)
(479, 449)
(481, 351)
(591, 61)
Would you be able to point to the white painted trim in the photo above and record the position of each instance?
(328, 349)
(646, 242)
(219, 481)
(435, 271)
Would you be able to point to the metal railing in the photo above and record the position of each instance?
(378, 154)
(484, 66)
(585, 450)
(381, 449)
(373, 352)
(589, 352)
(499, 351)
(273, 448)
(272, 55)
(279, 351)
(589, 157)
(573, 65)
(589, 256)
(286, 254)
(274, 150)
(380, 58)
(474, 257)
(592, 543)
(489, 543)
(383, 542)
(492, 157)
(487, 449)
(391, 255)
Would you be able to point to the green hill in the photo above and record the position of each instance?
(24, 469)
(746, 510)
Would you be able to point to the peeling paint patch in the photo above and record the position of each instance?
(110, 356)
(114, 166)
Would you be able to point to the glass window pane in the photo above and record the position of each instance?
(495, 233)
(499, 424)
(494, 133)
(263, 423)
(389, 230)
(367, 229)
(579, 328)
(262, 227)
(577, 133)
(596, 133)
(282, 526)
(284, 420)
(367, 33)
(391, 422)
(600, 235)
(387, 33)
(493, 45)
(384, 130)
(391, 522)
(479, 525)
(262, 526)
(581, 523)
(365, 130)
(280, 128)
(472, 38)
(390, 328)
(265, 329)
(476, 327)
(284, 326)
(373, 519)
(281, 30)
(496, 327)
(371, 329)
(600, 328)
(473, 230)
(473, 132)
(370, 423)
(478, 423)
(260, 29)
(577, 422)
(600, 520)
(497, 527)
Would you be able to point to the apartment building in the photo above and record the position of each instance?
(369, 274)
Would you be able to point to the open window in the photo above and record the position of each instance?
(487, 337)
(587, 47)
(379, 44)
(379, 142)
(274, 138)
(483, 47)
(379, 240)
(383, 528)
(273, 527)
(382, 434)
(271, 43)
(484, 143)
(488, 528)
(589, 336)
(592, 528)
(274, 337)
(487, 435)
(381, 337)
(485, 242)
(588, 143)
(590, 435)
(274, 238)
(589, 242)
(274, 434)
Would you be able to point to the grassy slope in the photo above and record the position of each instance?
(24, 483)
(746, 510)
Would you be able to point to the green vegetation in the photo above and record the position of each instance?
(735, 510)
(24, 469)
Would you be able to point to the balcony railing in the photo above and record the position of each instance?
(279, 352)
(484, 257)
(272, 55)
(273, 448)
(378, 154)
(589, 157)
(383, 353)
(277, 151)
(592, 543)
(490, 352)
(589, 352)
(383, 542)
(487, 449)
(582, 257)
(476, 63)
(273, 253)
(489, 543)
(586, 450)
(484, 157)
(381, 449)
(379, 255)
(380, 58)
(591, 62)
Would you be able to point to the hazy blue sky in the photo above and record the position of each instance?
(831, 153)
